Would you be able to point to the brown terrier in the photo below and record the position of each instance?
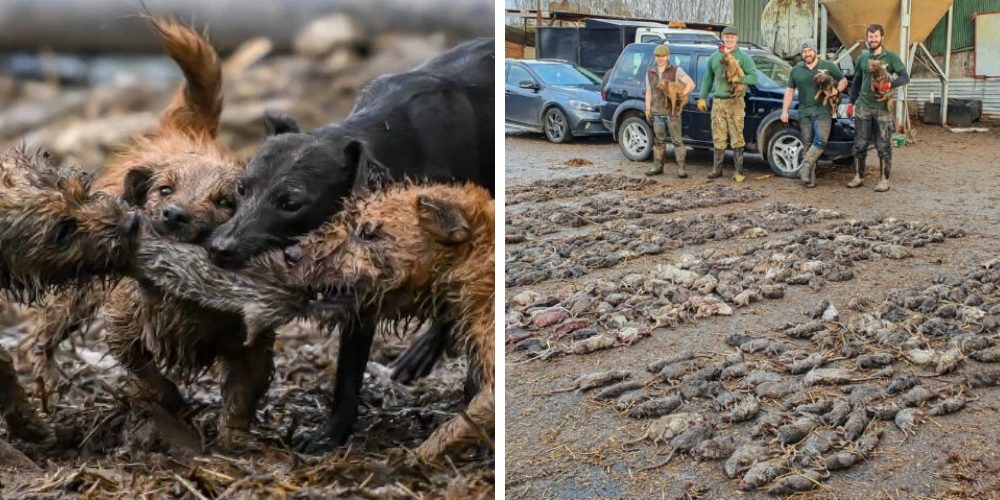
(733, 73)
(406, 253)
(825, 85)
(418, 253)
(54, 233)
(676, 98)
(880, 84)
(183, 181)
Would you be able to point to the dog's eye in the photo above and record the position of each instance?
(63, 231)
(241, 189)
(289, 205)
(225, 202)
(165, 191)
(368, 231)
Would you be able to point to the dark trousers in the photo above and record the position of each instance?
(873, 124)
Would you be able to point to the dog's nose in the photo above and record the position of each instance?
(293, 255)
(175, 216)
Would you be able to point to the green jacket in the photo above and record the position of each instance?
(715, 83)
(802, 79)
(865, 96)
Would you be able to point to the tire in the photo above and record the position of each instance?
(847, 160)
(556, 126)
(785, 151)
(635, 138)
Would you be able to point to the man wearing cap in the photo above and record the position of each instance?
(815, 119)
(872, 117)
(656, 110)
(728, 110)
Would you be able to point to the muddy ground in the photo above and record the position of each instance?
(569, 444)
(109, 445)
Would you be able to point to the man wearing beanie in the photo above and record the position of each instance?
(728, 110)
(656, 110)
(815, 119)
(872, 117)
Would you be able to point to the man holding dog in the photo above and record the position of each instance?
(728, 110)
(657, 111)
(815, 118)
(871, 116)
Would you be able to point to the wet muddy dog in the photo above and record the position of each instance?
(55, 232)
(404, 253)
(433, 123)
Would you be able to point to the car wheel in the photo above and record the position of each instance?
(635, 138)
(847, 160)
(785, 151)
(556, 126)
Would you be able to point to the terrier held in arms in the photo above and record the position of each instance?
(733, 73)
(881, 84)
(825, 85)
(674, 92)
(417, 252)
(54, 233)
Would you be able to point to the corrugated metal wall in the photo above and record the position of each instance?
(987, 91)
(746, 18)
(963, 29)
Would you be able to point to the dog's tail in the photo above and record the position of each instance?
(196, 107)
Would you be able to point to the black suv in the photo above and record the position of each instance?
(624, 92)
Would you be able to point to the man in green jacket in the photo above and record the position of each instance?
(728, 110)
(871, 116)
(815, 119)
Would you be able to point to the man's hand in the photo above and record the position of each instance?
(649, 115)
(884, 86)
(784, 117)
(702, 105)
(735, 79)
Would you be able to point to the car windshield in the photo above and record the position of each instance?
(772, 72)
(565, 74)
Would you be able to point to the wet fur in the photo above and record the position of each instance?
(182, 181)
(825, 85)
(419, 253)
(733, 71)
(56, 233)
(432, 257)
(674, 93)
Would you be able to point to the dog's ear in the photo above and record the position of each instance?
(197, 106)
(137, 184)
(369, 174)
(279, 123)
(443, 219)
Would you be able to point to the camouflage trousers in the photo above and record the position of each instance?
(869, 122)
(727, 122)
(661, 123)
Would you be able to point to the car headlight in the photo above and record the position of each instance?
(581, 106)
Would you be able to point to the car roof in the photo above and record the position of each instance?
(697, 47)
(535, 62)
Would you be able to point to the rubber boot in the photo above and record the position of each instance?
(680, 153)
(859, 173)
(884, 166)
(808, 172)
(658, 154)
(719, 155)
(738, 160)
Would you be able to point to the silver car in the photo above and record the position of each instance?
(554, 97)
